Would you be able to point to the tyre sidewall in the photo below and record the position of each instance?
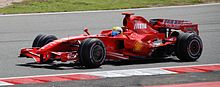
(183, 43)
(194, 37)
(86, 56)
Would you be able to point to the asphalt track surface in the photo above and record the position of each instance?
(19, 31)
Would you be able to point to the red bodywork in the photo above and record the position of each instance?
(139, 39)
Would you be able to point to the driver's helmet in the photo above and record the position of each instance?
(116, 31)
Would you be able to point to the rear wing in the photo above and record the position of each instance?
(185, 26)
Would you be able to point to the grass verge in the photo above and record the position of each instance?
(40, 6)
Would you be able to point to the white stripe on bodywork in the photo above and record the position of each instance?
(5, 83)
(116, 55)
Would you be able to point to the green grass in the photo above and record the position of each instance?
(39, 6)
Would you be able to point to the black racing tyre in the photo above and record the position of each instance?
(92, 53)
(42, 40)
(36, 40)
(188, 47)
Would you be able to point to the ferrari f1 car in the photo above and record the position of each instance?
(137, 38)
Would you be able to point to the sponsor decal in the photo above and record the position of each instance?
(138, 45)
(139, 25)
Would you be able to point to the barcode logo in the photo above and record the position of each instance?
(140, 26)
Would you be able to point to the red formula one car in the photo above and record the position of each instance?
(138, 38)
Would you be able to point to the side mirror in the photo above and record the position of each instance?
(86, 30)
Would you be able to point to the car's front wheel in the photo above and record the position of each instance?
(42, 40)
(92, 53)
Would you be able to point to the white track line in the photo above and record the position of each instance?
(131, 72)
(98, 11)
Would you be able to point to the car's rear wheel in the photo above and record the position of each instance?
(42, 40)
(92, 53)
(188, 47)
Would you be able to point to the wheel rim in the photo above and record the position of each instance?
(97, 53)
(194, 48)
